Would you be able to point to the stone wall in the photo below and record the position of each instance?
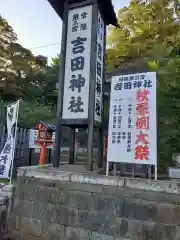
(6, 193)
(73, 206)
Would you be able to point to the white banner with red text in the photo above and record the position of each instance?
(132, 136)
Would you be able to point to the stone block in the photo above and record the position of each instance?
(35, 181)
(44, 173)
(61, 197)
(138, 210)
(138, 230)
(87, 220)
(97, 179)
(135, 231)
(107, 204)
(121, 238)
(177, 234)
(158, 197)
(168, 214)
(113, 191)
(25, 191)
(77, 234)
(30, 237)
(15, 235)
(174, 173)
(52, 231)
(31, 226)
(14, 222)
(113, 226)
(151, 185)
(79, 200)
(44, 211)
(3, 214)
(66, 216)
(8, 188)
(7, 191)
(22, 207)
(81, 187)
(97, 236)
(165, 232)
(102, 223)
(46, 194)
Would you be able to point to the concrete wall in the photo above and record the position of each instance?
(73, 206)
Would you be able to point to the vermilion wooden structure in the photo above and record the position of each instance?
(44, 139)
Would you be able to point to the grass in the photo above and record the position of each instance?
(4, 180)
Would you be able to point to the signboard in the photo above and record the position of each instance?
(99, 68)
(132, 136)
(7, 153)
(33, 138)
(77, 67)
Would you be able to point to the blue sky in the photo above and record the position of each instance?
(36, 23)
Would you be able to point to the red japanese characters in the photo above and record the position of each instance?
(142, 124)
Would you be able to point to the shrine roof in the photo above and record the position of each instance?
(105, 5)
(51, 127)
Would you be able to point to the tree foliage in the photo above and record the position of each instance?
(25, 76)
(149, 37)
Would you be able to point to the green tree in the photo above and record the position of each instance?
(25, 76)
(149, 37)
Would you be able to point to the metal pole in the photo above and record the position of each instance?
(155, 175)
(56, 158)
(72, 147)
(49, 155)
(89, 164)
(133, 170)
(149, 172)
(100, 147)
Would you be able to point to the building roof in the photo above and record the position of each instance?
(51, 127)
(105, 5)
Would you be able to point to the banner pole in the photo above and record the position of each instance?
(107, 168)
(133, 170)
(155, 175)
(14, 142)
(149, 171)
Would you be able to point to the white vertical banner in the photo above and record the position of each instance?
(99, 68)
(7, 153)
(132, 136)
(77, 67)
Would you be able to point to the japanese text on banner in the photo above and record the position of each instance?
(7, 153)
(76, 86)
(142, 125)
(99, 68)
(132, 123)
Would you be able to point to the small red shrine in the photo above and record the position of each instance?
(44, 138)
